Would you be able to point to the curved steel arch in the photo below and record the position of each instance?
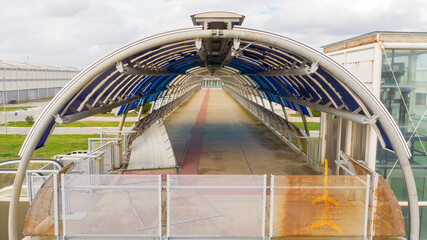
(333, 76)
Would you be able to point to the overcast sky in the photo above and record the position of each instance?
(78, 32)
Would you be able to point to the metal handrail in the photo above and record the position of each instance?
(15, 161)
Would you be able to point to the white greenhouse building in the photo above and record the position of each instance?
(30, 81)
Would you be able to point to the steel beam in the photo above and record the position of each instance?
(355, 117)
(141, 71)
(289, 72)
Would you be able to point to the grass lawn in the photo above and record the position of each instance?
(114, 115)
(74, 124)
(311, 125)
(57, 144)
(15, 108)
(315, 114)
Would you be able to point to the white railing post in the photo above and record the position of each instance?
(365, 229)
(29, 186)
(264, 205)
(160, 206)
(168, 199)
(373, 204)
(271, 206)
(64, 203)
(56, 204)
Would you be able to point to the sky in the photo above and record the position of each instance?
(78, 32)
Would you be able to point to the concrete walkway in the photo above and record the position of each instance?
(227, 140)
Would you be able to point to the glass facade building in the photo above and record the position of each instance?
(403, 91)
(394, 66)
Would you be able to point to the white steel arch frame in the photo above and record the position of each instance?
(342, 75)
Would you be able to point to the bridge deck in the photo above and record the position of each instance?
(212, 134)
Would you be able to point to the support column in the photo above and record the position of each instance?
(348, 138)
(284, 109)
(261, 98)
(122, 121)
(140, 111)
(339, 134)
(371, 147)
(323, 129)
(304, 120)
(271, 105)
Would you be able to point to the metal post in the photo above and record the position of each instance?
(271, 206)
(339, 134)
(264, 205)
(140, 111)
(56, 199)
(160, 205)
(373, 205)
(64, 212)
(29, 186)
(284, 109)
(365, 223)
(168, 210)
(122, 121)
(304, 120)
(348, 138)
(4, 102)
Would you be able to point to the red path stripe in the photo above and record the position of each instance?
(199, 153)
(191, 160)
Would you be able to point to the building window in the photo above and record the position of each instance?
(420, 99)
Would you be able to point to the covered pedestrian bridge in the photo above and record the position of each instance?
(260, 70)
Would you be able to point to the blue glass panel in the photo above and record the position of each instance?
(45, 135)
(328, 89)
(122, 109)
(346, 97)
(384, 137)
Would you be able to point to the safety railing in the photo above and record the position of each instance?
(35, 179)
(104, 155)
(37, 167)
(385, 218)
(119, 134)
(319, 206)
(110, 149)
(210, 206)
(162, 112)
(111, 206)
(292, 135)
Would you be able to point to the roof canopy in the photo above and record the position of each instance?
(151, 68)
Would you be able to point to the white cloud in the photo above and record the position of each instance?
(78, 32)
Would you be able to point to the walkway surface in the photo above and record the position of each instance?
(212, 134)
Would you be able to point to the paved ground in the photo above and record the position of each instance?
(19, 115)
(214, 135)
